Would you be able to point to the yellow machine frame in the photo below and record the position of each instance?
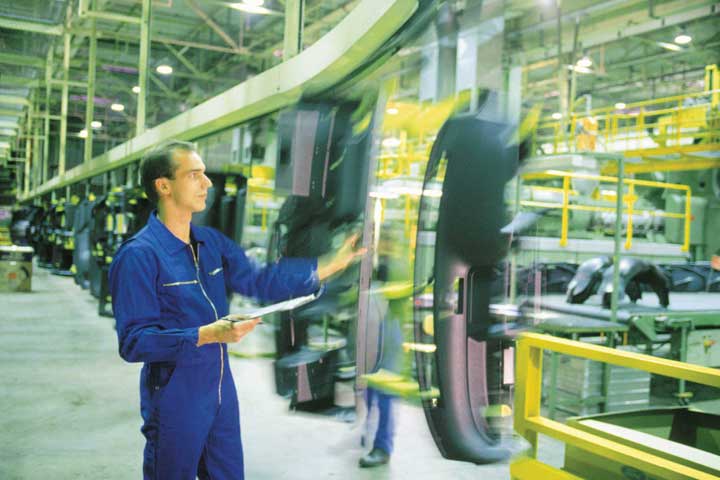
(628, 199)
(529, 422)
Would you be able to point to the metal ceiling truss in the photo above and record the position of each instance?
(329, 61)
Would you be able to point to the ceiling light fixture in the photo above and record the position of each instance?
(579, 69)
(391, 142)
(82, 133)
(683, 38)
(96, 124)
(392, 111)
(136, 89)
(620, 106)
(585, 62)
(249, 7)
(254, 3)
(556, 116)
(164, 69)
(117, 107)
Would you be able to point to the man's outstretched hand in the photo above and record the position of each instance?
(224, 331)
(346, 255)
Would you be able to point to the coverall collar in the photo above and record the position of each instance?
(166, 238)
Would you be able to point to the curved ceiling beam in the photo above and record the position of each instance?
(327, 62)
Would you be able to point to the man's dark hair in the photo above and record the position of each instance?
(158, 163)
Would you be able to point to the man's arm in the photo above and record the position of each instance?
(288, 277)
(282, 280)
(137, 310)
(335, 262)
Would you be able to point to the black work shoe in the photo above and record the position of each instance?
(375, 458)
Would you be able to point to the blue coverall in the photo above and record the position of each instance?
(163, 290)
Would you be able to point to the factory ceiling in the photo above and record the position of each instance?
(214, 45)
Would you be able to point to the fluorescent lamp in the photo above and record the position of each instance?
(620, 106)
(164, 69)
(254, 3)
(117, 107)
(96, 124)
(556, 116)
(136, 89)
(384, 195)
(671, 46)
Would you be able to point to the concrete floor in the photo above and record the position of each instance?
(71, 410)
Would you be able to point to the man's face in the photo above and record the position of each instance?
(188, 189)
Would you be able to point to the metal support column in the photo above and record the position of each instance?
(447, 26)
(28, 148)
(682, 394)
(143, 65)
(562, 77)
(513, 108)
(514, 253)
(37, 159)
(48, 92)
(90, 104)
(64, 104)
(615, 295)
(292, 39)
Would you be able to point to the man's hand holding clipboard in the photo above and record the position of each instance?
(232, 328)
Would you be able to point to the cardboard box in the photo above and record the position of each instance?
(15, 268)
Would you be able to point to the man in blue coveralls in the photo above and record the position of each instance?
(168, 286)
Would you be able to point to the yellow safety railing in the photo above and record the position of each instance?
(529, 422)
(629, 200)
(652, 125)
(712, 83)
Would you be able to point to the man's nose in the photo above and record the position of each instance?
(208, 181)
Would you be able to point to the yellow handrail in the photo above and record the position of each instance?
(628, 199)
(529, 422)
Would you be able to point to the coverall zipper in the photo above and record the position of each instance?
(197, 273)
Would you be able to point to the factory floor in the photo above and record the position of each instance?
(71, 410)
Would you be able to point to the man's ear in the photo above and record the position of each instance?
(162, 186)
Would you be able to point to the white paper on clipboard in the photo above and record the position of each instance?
(268, 309)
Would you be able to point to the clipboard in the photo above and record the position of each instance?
(275, 307)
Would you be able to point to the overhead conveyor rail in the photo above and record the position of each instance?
(622, 453)
(333, 58)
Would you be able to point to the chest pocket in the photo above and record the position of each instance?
(214, 278)
(174, 293)
(180, 283)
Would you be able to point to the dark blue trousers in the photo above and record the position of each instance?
(190, 432)
(386, 422)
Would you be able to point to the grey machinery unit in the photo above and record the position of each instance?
(322, 164)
